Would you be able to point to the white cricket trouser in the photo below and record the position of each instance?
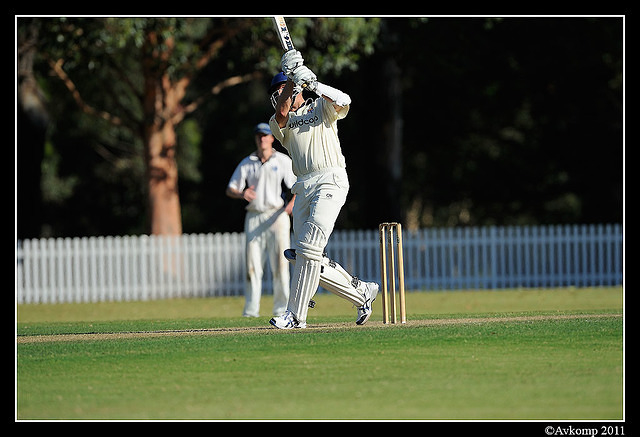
(319, 199)
(267, 235)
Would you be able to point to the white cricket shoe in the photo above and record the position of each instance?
(286, 321)
(370, 294)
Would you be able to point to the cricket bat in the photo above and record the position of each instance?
(282, 30)
(283, 33)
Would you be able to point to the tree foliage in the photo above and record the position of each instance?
(513, 120)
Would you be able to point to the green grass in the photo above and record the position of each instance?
(546, 368)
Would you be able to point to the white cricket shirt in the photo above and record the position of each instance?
(267, 179)
(311, 137)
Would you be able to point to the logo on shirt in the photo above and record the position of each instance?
(300, 122)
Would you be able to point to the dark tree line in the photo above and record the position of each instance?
(454, 122)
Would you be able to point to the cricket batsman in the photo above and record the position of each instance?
(309, 132)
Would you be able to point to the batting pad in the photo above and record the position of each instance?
(334, 278)
(304, 283)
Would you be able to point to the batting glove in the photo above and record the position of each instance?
(304, 77)
(290, 61)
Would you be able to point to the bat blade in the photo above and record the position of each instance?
(283, 33)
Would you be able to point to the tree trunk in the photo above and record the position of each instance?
(161, 101)
(162, 169)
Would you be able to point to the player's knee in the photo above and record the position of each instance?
(311, 244)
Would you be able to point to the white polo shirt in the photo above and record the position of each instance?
(267, 179)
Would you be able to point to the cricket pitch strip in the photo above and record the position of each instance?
(319, 327)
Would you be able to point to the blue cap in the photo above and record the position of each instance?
(262, 128)
(277, 80)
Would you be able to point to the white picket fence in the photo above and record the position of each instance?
(145, 267)
(130, 268)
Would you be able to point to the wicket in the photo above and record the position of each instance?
(387, 232)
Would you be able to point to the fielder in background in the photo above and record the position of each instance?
(259, 180)
(309, 132)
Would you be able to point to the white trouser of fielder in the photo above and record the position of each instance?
(267, 235)
(319, 198)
